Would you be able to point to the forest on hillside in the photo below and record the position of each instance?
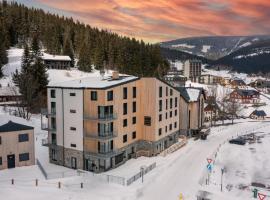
(91, 46)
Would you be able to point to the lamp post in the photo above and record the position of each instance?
(222, 172)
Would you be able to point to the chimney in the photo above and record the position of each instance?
(115, 75)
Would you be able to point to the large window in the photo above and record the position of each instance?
(125, 123)
(0, 160)
(134, 107)
(94, 96)
(124, 138)
(171, 103)
(147, 121)
(125, 109)
(134, 135)
(23, 157)
(125, 93)
(175, 101)
(72, 94)
(160, 117)
(52, 93)
(159, 131)
(23, 137)
(134, 92)
(160, 91)
(160, 105)
(110, 95)
(134, 120)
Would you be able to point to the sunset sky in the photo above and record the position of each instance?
(162, 20)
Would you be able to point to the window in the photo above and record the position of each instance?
(125, 93)
(166, 129)
(134, 135)
(23, 137)
(110, 95)
(171, 92)
(171, 103)
(134, 92)
(72, 111)
(166, 91)
(72, 94)
(73, 145)
(52, 93)
(147, 121)
(159, 131)
(134, 120)
(160, 91)
(166, 116)
(0, 140)
(170, 114)
(53, 137)
(175, 124)
(160, 105)
(93, 95)
(125, 108)
(23, 157)
(111, 144)
(54, 155)
(0, 160)
(170, 127)
(134, 107)
(125, 123)
(166, 104)
(175, 112)
(73, 128)
(175, 101)
(160, 117)
(124, 138)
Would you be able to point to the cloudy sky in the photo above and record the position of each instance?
(161, 20)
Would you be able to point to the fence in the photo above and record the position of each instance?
(174, 147)
(56, 175)
(138, 175)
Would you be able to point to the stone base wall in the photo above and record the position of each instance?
(69, 153)
(59, 150)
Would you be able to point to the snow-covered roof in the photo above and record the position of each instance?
(94, 82)
(5, 118)
(9, 91)
(190, 94)
(47, 56)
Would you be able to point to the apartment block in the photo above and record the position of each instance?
(98, 123)
(192, 69)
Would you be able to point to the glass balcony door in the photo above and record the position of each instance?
(105, 112)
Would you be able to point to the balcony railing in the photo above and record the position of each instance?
(102, 136)
(46, 142)
(45, 111)
(107, 117)
(46, 127)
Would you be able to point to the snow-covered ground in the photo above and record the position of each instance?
(182, 172)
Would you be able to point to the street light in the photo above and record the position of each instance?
(142, 171)
(222, 172)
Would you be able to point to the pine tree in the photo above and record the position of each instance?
(84, 63)
(68, 50)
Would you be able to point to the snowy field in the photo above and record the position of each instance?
(182, 172)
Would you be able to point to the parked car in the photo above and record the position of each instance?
(239, 141)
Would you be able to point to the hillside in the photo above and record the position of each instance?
(254, 58)
(91, 46)
(173, 55)
(213, 47)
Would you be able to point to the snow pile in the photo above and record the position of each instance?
(183, 45)
(205, 48)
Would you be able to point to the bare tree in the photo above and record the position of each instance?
(233, 109)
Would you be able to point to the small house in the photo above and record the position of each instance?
(56, 61)
(16, 145)
(258, 114)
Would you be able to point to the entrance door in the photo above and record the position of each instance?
(11, 161)
(73, 163)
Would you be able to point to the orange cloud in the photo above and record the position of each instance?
(160, 20)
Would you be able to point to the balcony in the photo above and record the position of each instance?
(51, 113)
(102, 136)
(106, 117)
(45, 142)
(46, 127)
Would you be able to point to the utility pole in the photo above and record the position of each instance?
(222, 172)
